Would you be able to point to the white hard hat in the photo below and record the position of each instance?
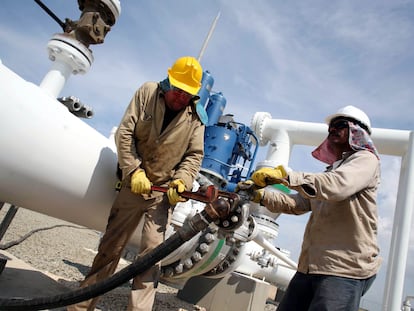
(353, 113)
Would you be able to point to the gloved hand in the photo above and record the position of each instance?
(176, 187)
(140, 183)
(269, 176)
(255, 194)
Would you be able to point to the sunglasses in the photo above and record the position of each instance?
(341, 124)
(194, 98)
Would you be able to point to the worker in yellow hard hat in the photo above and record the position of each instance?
(160, 141)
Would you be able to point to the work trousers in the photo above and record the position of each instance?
(125, 215)
(317, 292)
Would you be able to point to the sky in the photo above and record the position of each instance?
(297, 60)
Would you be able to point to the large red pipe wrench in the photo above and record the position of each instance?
(205, 194)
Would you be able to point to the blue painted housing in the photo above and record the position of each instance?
(229, 147)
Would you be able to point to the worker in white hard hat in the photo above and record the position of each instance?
(160, 142)
(340, 255)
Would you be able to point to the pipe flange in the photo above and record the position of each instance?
(182, 266)
(63, 48)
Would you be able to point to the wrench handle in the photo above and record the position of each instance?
(206, 195)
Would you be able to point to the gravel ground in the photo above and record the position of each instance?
(67, 250)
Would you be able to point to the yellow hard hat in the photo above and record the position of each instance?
(186, 74)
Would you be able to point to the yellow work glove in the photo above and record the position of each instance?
(140, 184)
(254, 193)
(269, 176)
(176, 187)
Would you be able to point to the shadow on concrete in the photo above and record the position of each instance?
(83, 269)
(18, 282)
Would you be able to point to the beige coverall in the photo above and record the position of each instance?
(341, 235)
(176, 152)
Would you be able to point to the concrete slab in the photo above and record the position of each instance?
(19, 279)
(234, 291)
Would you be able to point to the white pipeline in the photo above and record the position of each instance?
(263, 242)
(400, 232)
(51, 161)
(282, 135)
(273, 271)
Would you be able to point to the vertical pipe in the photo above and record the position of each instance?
(401, 232)
(279, 149)
(56, 78)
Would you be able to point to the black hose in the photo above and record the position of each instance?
(190, 229)
(27, 235)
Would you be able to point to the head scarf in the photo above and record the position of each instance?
(359, 139)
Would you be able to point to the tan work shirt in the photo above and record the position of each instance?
(341, 235)
(174, 153)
